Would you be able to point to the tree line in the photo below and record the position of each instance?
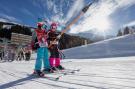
(126, 30)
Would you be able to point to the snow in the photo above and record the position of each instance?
(115, 47)
(106, 73)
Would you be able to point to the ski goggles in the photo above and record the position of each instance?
(54, 27)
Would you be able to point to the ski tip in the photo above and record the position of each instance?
(94, 1)
(57, 79)
(73, 72)
(78, 70)
(90, 4)
(65, 73)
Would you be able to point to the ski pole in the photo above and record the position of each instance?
(84, 10)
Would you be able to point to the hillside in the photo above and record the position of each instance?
(115, 47)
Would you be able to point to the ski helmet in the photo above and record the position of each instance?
(53, 25)
(39, 24)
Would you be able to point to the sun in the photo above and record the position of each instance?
(101, 23)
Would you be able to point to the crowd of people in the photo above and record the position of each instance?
(10, 53)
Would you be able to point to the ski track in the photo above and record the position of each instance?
(108, 73)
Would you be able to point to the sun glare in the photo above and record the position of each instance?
(100, 23)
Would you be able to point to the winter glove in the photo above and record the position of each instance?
(34, 46)
(58, 37)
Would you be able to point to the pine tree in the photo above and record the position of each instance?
(119, 33)
(1, 25)
(126, 30)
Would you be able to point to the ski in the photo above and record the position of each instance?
(84, 10)
(70, 71)
(66, 72)
(60, 73)
(45, 76)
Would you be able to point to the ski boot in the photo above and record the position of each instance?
(60, 67)
(39, 73)
(54, 68)
(48, 70)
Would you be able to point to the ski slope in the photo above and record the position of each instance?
(115, 47)
(107, 73)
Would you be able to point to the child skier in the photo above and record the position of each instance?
(39, 42)
(54, 51)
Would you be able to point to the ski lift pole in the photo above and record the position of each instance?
(84, 10)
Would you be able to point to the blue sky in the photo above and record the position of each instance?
(104, 16)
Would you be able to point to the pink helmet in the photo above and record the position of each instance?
(40, 24)
(53, 25)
